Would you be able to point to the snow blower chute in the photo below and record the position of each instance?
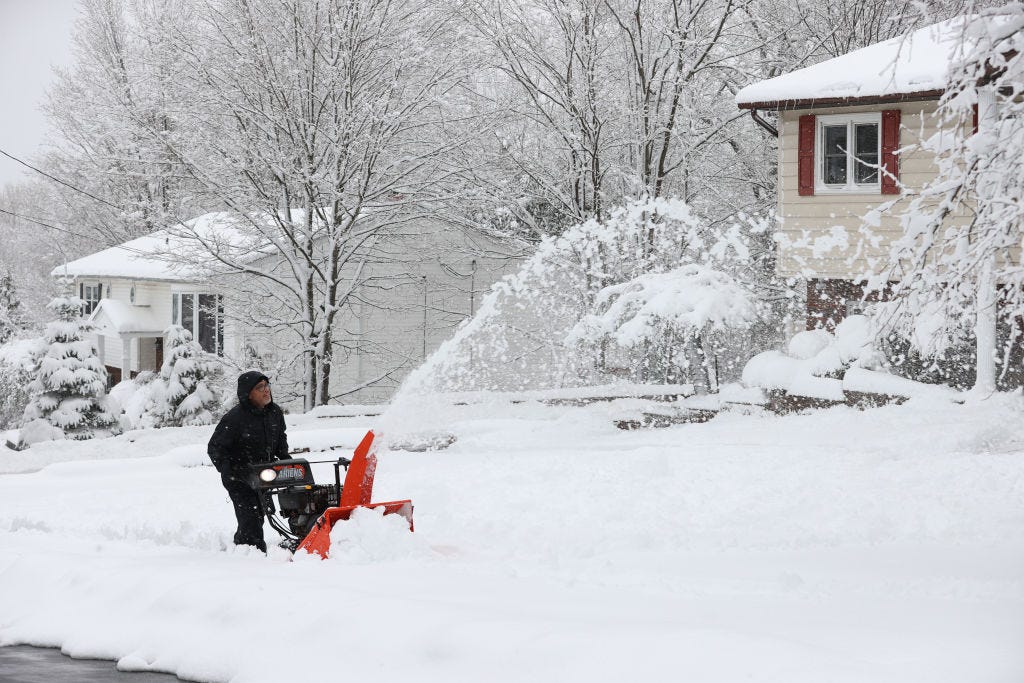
(311, 509)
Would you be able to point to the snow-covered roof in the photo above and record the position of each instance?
(116, 316)
(174, 254)
(188, 251)
(906, 67)
(134, 259)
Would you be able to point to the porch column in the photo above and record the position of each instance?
(126, 357)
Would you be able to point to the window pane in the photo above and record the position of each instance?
(866, 172)
(92, 297)
(866, 136)
(835, 170)
(208, 322)
(835, 148)
(835, 139)
(188, 312)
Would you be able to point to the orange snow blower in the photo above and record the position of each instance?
(311, 509)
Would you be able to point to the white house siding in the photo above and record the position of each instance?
(144, 355)
(395, 333)
(155, 296)
(399, 328)
(110, 350)
(811, 218)
(385, 335)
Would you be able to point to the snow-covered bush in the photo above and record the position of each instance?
(919, 344)
(525, 334)
(68, 393)
(18, 365)
(184, 393)
(133, 397)
(667, 323)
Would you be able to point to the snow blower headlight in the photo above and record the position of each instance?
(281, 473)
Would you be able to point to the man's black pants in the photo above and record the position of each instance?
(247, 512)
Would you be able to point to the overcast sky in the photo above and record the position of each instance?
(35, 35)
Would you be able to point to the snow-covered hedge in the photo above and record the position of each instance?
(815, 360)
(18, 361)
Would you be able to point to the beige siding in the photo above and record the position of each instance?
(811, 223)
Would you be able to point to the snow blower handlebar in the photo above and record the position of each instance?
(338, 465)
(300, 501)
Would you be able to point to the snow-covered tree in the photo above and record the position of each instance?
(604, 101)
(670, 322)
(12, 319)
(29, 251)
(185, 393)
(110, 109)
(322, 140)
(957, 266)
(523, 336)
(68, 395)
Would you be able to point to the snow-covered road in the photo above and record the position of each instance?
(885, 545)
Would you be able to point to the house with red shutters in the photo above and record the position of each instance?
(848, 131)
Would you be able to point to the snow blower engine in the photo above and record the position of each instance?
(306, 511)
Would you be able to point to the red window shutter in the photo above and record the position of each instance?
(890, 143)
(805, 156)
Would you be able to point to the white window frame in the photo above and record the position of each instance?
(176, 313)
(91, 303)
(850, 120)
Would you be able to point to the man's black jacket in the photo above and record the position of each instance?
(246, 435)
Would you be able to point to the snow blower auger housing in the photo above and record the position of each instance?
(306, 511)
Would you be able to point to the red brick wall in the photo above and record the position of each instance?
(828, 299)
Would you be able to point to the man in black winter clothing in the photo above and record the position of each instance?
(253, 431)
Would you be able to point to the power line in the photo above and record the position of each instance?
(45, 225)
(123, 247)
(58, 180)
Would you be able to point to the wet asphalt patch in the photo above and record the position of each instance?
(25, 664)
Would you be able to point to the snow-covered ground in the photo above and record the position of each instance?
(885, 545)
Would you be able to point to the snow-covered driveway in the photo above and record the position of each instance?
(885, 545)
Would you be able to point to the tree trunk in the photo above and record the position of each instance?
(985, 329)
(986, 300)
